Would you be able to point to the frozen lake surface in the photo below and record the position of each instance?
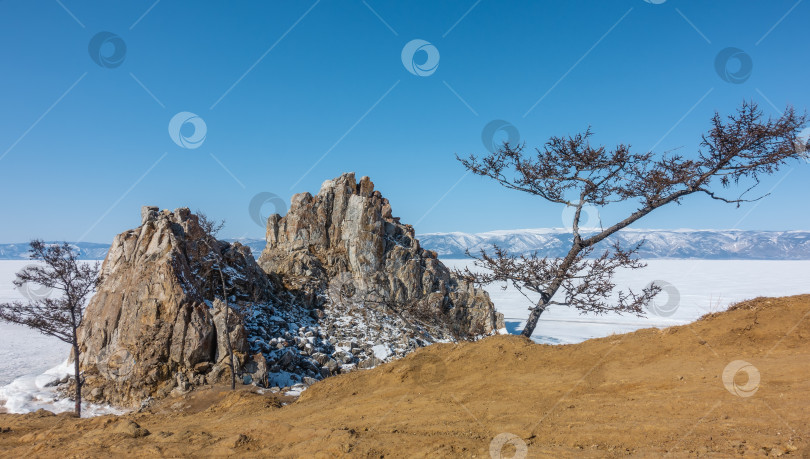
(702, 286)
(31, 362)
(24, 351)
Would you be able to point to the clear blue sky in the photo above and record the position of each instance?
(281, 84)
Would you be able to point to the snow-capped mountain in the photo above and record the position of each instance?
(706, 244)
(554, 242)
(87, 250)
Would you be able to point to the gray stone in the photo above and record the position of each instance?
(287, 359)
(331, 365)
(148, 213)
(320, 357)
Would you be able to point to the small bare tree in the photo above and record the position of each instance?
(737, 150)
(61, 316)
(210, 230)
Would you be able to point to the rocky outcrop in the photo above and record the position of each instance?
(345, 246)
(155, 322)
(341, 285)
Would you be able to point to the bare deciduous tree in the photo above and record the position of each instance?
(210, 229)
(61, 316)
(737, 150)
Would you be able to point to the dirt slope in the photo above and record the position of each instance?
(646, 393)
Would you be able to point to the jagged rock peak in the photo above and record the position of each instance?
(155, 322)
(149, 213)
(344, 244)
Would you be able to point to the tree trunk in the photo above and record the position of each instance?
(531, 322)
(78, 408)
(229, 346)
(548, 294)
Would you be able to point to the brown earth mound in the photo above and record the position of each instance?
(648, 393)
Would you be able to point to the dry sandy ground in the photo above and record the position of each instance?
(648, 393)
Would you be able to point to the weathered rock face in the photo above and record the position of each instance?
(346, 240)
(341, 285)
(155, 323)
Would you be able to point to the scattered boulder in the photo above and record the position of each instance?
(129, 428)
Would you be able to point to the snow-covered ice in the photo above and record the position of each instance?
(24, 351)
(32, 392)
(31, 362)
(296, 390)
(381, 351)
(703, 286)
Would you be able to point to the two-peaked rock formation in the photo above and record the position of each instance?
(342, 284)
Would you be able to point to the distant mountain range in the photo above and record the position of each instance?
(697, 244)
(702, 244)
(87, 250)
(96, 251)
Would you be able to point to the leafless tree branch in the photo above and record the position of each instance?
(739, 148)
(59, 270)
